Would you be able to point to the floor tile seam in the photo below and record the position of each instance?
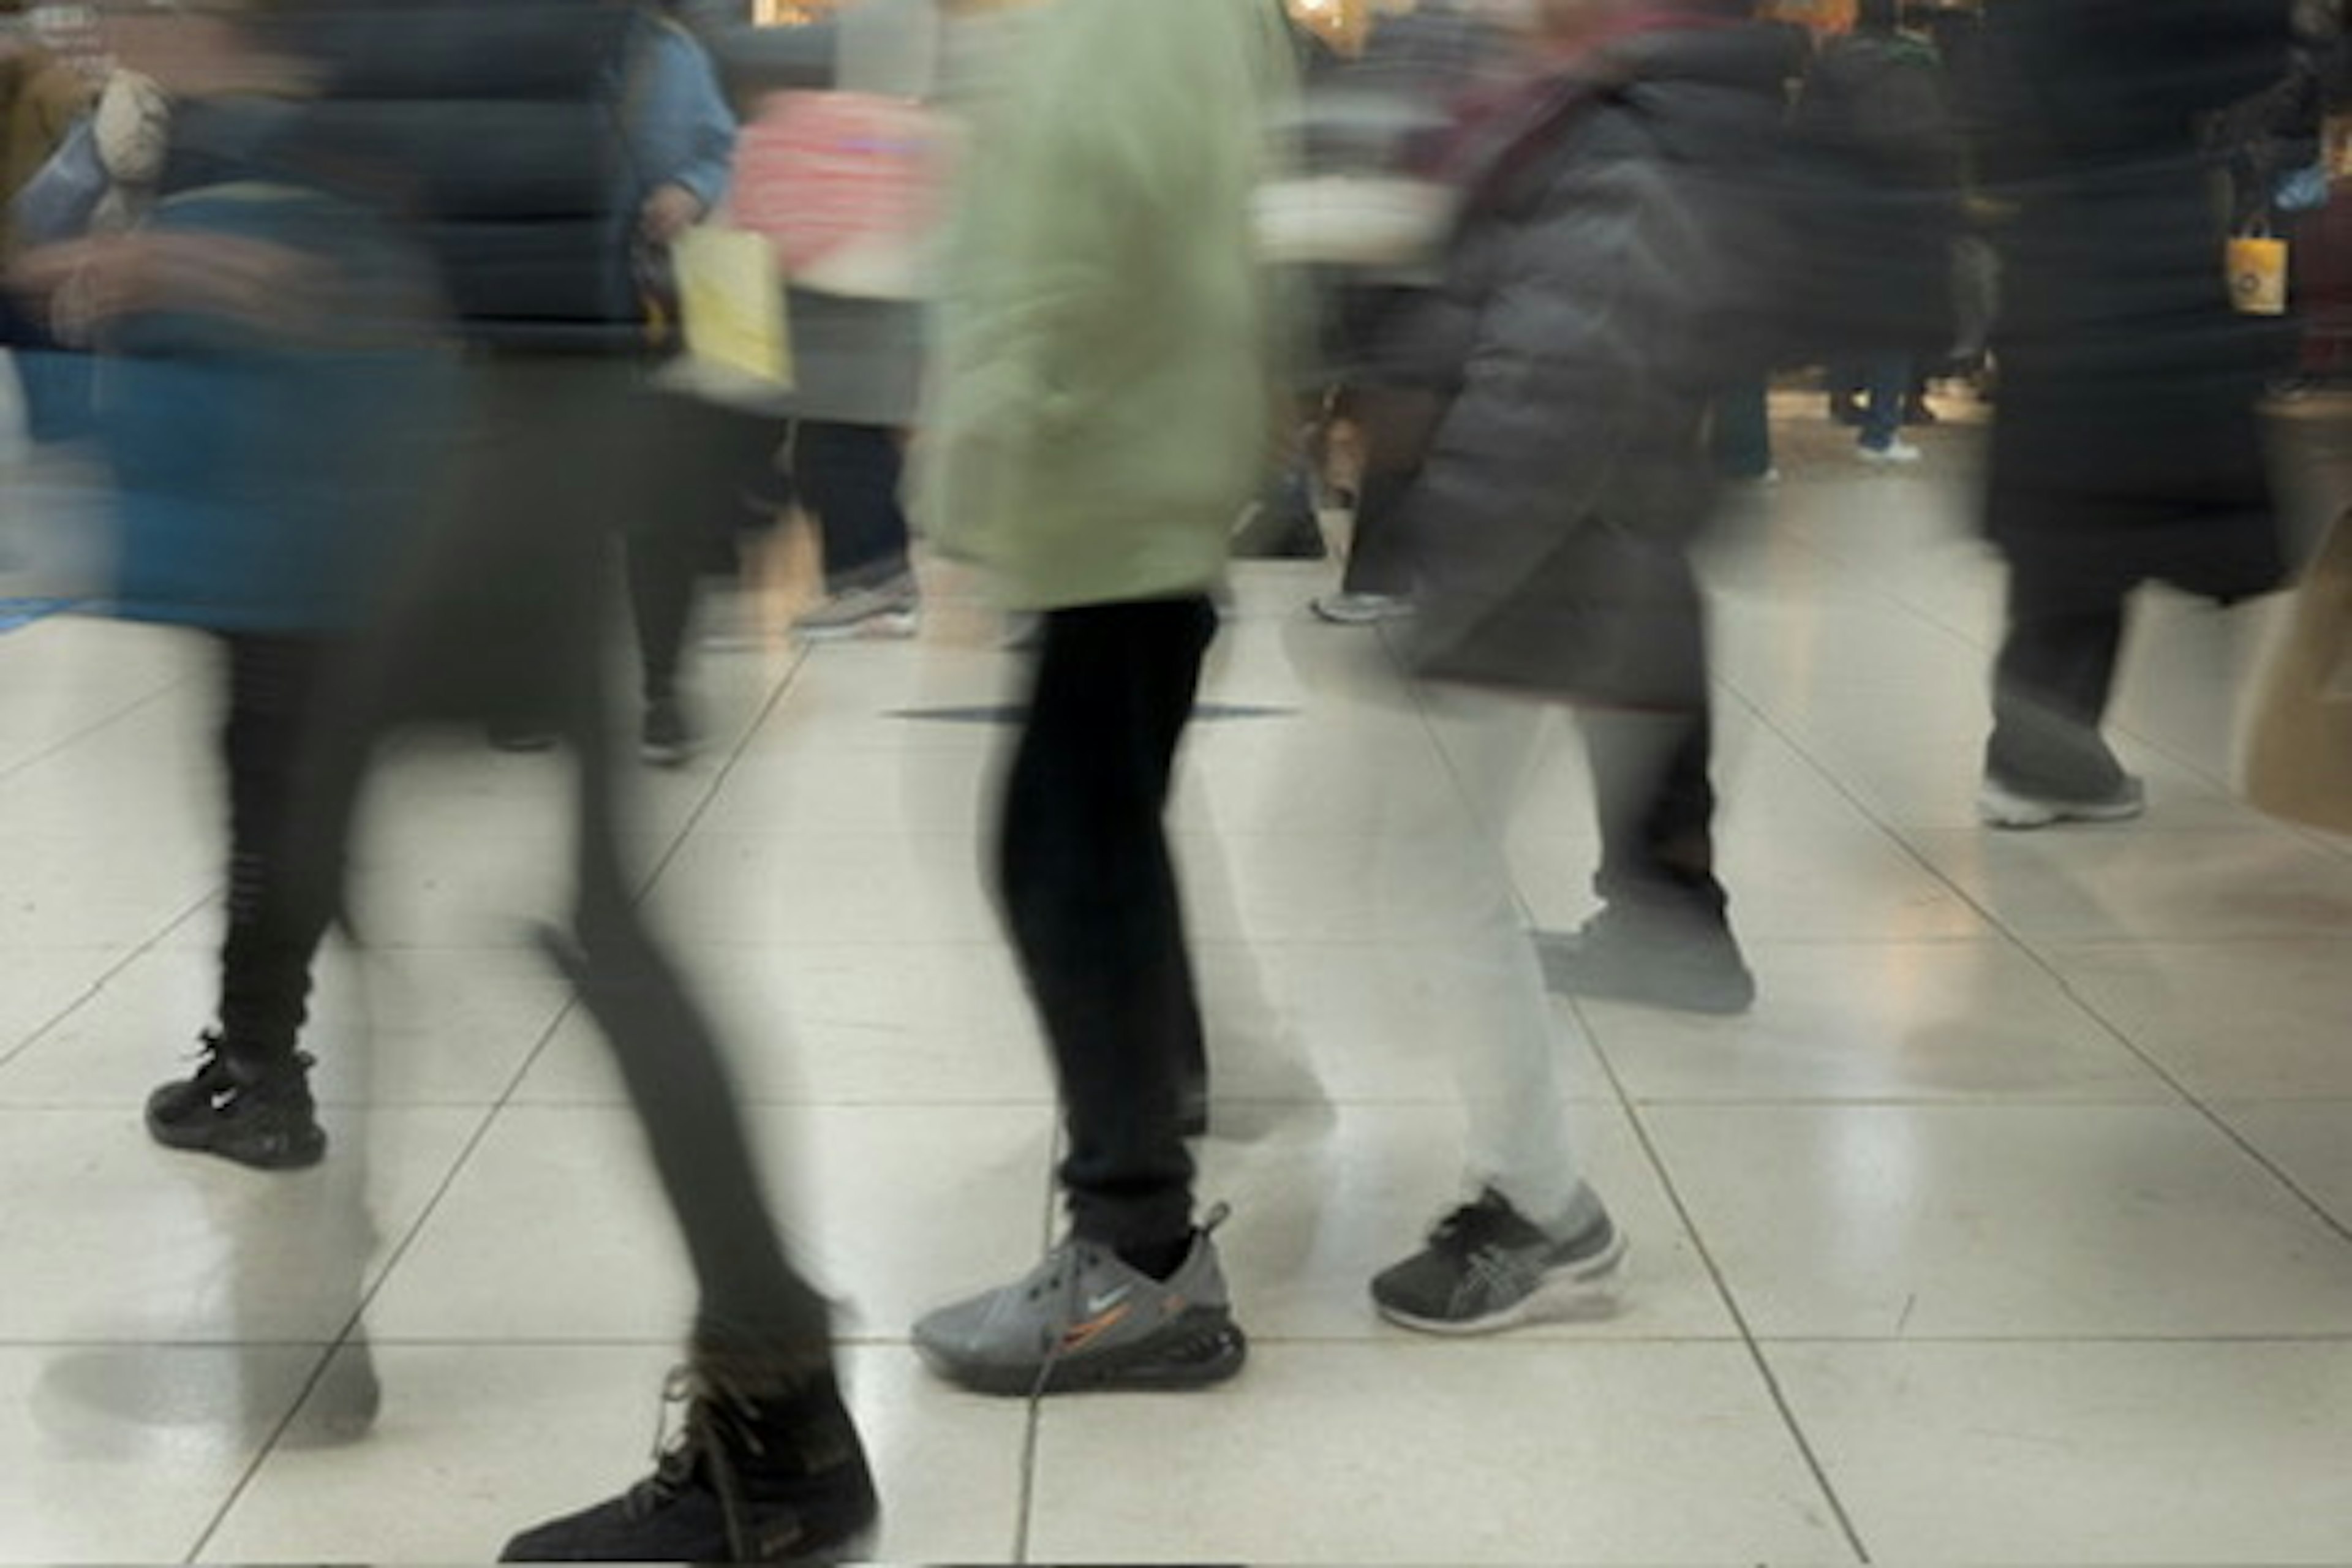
(2018, 942)
(709, 789)
(1024, 1521)
(66, 742)
(2193, 767)
(2025, 945)
(638, 900)
(2070, 1340)
(1852, 576)
(2204, 1106)
(262, 1450)
(370, 1291)
(1985, 652)
(130, 956)
(1848, 1527)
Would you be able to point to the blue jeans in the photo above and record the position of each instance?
(1739, 440)
(1885, 383)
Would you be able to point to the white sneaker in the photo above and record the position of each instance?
(1893, 454)
(889, 609)
(2000, 805)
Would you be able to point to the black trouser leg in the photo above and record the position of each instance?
(503, 614)
(1378, 562)
(1089, 891)
(266, 961)
(848, 477)
(1657, 807)
(2051, 681)
(661, 565)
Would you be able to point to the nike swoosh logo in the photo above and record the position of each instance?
(1108, 1299)
(1080, 1335)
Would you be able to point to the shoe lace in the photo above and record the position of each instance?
(1476, 1230)
(213, 1068)
(697, 1429)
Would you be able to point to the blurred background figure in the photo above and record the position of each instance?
(42, 99)
(1365, 220)
(1877, 121)
(1607, 282)
(1106, 394)
(859, 343)
(2126, 447)
(270, 389)
(682, 142)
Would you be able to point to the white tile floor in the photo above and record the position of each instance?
(2015, 1225)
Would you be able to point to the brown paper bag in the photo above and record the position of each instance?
(2298, 754)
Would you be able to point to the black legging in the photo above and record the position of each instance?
(272, 684)
(1090, 894)
(500, 619)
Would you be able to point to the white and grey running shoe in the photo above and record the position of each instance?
(2003, 805)
(892, 609)
(1487, 1267)
(1084, 1319)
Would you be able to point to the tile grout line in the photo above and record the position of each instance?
(62, 743)
(113, 971)
(1033, 1420)
(1748, 1337)
(2034, 954)
(488, 1120)
(1642, 1133)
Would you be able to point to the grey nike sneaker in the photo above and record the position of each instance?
(1083, 1318)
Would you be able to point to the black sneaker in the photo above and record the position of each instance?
(1690, 963)
(255, 1112)
(1487, 1267)
(747, 1480)
(667, 739)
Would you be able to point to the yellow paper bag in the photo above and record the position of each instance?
(2257, 267)
(732, 301)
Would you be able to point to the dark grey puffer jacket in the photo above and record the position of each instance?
(1619, 261)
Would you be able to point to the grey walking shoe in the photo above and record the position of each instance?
(1084, 1319)
(1363, 609)
(891, 609)
(2003, 805)
(1689, 962)
(1487, 1267)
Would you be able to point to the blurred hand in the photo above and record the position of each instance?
(88, 282)
(670, 212)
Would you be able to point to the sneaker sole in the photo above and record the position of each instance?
(2013, 813)
(1716, 999)
(1359, 618)
(297, 1155)
(891, 623)
(1199, 1350)
(1569, 1292)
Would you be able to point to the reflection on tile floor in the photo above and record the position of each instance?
(2011, 1226)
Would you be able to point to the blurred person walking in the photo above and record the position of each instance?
(499, 128)
(1876, 116)
(2126, 447)
(858, 341)
(1107, 395)
(1606, 283)
(681, 142)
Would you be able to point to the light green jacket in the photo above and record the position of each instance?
(1103, 403)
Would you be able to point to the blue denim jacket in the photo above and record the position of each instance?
(681, 131)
